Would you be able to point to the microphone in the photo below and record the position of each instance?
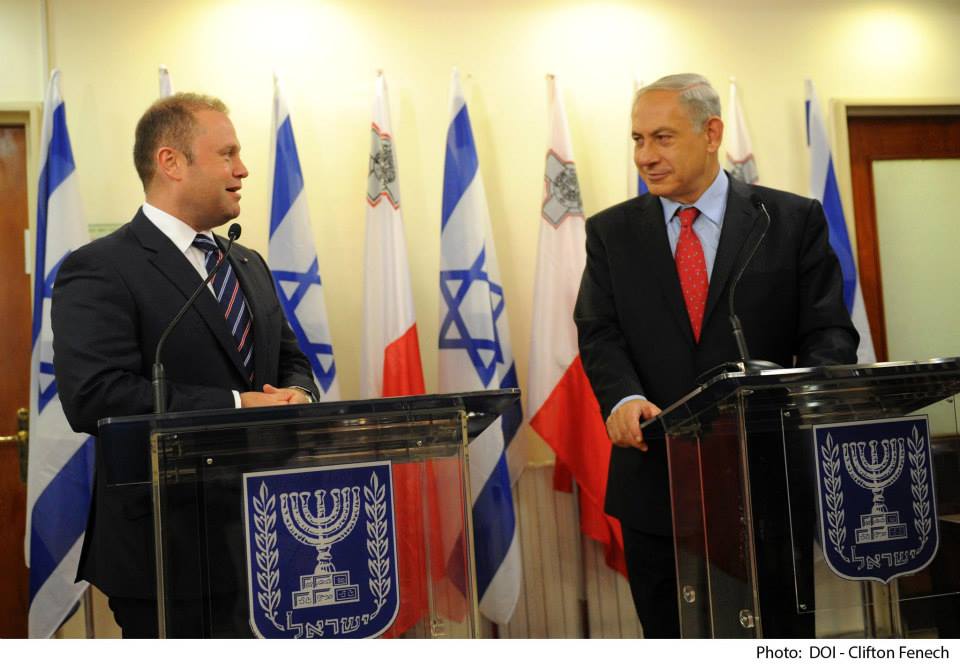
(159, 378)
(749, 365)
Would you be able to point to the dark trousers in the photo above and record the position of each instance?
(652, 573)
(137, 617)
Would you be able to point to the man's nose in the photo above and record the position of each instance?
(645, 154)
(240, 169)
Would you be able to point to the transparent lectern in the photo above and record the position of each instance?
(748, 520)
(332, 520)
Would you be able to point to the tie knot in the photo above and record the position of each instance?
(205, 243)
(687, 216)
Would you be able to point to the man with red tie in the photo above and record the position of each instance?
(652, 313)
(112, 301)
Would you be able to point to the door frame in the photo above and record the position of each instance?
(860, 214)
(30, 115)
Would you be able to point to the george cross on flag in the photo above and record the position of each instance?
(60, 476)
(475, 354)
(824, 188)
(293, 257)
(564, 410)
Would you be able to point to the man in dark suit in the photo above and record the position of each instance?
(652, 310)
(114, 297)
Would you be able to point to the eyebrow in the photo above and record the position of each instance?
(658, 130)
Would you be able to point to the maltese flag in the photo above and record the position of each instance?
(740, 160)
(824, 188)
(390, 349)
(565, 412)
(390, 357)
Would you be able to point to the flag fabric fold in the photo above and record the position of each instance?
(824, 188)
(293, 255)
(475, 354)
(390, 349)
(60, 476)
(739, 149)
(564, 411)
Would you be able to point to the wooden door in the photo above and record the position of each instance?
(889, 133)
(14, 375)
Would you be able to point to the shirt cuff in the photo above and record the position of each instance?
(626, 400)
(236, 399)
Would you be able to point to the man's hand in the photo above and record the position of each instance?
(623, 425)
(290, 395)
(273, 396)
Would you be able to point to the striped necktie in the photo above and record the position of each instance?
(232, 303)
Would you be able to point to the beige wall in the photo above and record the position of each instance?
(21, 51)
(328, 53)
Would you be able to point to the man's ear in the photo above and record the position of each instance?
(714, 132)
(170, 163)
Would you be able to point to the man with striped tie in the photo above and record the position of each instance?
(114, 297)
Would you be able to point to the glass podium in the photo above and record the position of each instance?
(755, 494)
(329, 520)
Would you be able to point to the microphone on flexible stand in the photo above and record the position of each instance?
(750, 366)
(159, 379)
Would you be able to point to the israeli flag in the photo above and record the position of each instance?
(824, 188)
(60, 478)
(475, 355)
(293, 257)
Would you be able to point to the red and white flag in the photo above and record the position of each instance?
(740, 160)
(565, 412)
(390, 357)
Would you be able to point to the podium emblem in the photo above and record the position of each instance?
(878, 514)
(321, 551)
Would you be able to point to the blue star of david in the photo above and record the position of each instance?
(454, 333)
(314, 350)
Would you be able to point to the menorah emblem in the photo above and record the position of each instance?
(321, 530)
(874, 466)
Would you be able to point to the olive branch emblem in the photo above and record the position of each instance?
(268, 575)
(378, 543)
(830, 465)
(919, 488)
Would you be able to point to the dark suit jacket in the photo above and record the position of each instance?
(635, 336)
(112, 300)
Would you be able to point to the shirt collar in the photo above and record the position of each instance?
(179, 232)
(712, 204)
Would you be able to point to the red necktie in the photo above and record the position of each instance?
(692, 269)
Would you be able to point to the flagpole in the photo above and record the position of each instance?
(89, 628)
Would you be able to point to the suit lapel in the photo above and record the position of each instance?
(739, 225)
(653, 239)
(175, 267)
